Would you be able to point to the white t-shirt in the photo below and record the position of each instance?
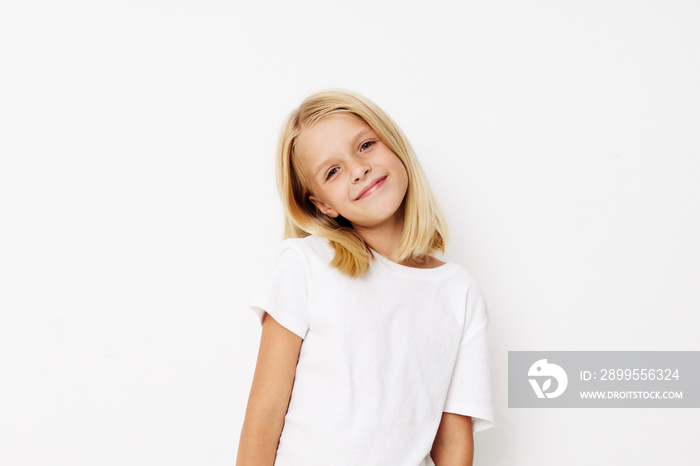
(383, 357)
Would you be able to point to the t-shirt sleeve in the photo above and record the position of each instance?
(284, 296)
(469, 391)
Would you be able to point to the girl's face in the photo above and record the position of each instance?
(352, 172)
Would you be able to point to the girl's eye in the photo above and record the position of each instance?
(331, 173)
(366, 145)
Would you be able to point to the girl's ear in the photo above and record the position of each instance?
(323, 207)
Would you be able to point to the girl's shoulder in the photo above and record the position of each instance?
(309, 247)
(457, 273)
(308, 242)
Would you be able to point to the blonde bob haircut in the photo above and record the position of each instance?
(425, 229)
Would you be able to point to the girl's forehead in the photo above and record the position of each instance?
(335, 129)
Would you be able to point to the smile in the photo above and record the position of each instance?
(372, 187)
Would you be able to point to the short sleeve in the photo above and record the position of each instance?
(469, 391)
(284, 296)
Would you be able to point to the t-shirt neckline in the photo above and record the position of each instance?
(434, 272)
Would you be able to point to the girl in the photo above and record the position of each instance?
(373, 351)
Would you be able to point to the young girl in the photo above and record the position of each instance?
(373, 351)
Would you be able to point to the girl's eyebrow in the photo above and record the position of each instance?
(354, 141)
(361, 134)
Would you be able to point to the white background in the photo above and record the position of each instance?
(139, 212)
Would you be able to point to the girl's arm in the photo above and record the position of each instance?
(454, 441)
(269, 395)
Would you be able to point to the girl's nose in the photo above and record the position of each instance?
(358, 178)
(359, 170)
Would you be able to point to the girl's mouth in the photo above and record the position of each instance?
(371, 187)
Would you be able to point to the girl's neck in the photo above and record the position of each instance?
(384, 238)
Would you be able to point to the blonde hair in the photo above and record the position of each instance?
(425, 229)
